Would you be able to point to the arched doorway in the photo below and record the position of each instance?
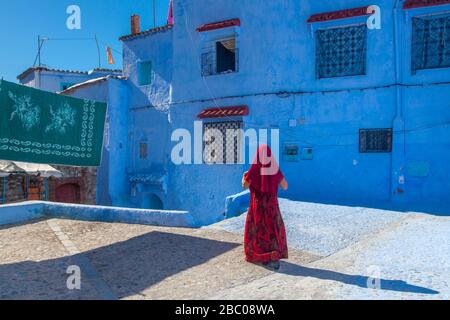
(155, 202)
(68, 193)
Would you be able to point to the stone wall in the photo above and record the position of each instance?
(85, 178)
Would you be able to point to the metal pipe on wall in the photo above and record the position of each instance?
(4, 190)
(46, 188)
(398, 123)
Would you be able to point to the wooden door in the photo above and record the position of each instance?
(68, 193)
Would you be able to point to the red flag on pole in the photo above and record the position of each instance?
(110, 56)
(170, 15)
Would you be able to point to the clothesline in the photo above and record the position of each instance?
(97, 40)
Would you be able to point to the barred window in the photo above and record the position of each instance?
(222, 142)
(341, 51)
(219, 56)
(375, 140)
(430, 42)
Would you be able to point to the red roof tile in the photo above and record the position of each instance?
(341, 14)
(410, 4)
(219, 25)
(224, 112)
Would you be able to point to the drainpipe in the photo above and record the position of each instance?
(26, 188)
(46, 188)
(398, 124)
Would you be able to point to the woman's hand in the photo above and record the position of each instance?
(245, 184)
(284, 184)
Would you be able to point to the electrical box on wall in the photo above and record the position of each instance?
(307, 154)
(291, 153)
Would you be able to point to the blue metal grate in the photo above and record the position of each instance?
(341, 51)
(431, 42)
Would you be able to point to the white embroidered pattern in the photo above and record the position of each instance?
(62, 118)
(84, 150)
(25, 111)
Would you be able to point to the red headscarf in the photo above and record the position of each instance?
(264, 174)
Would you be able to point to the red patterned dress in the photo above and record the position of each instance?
(265, 233)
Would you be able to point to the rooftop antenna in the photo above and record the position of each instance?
(39, 49)
(41, 41)
(38, 57)
(98, 50)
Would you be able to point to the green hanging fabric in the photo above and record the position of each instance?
(43, 127)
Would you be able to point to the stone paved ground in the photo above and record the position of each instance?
(409, 252)
(125, 261)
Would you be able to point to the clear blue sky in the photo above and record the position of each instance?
(21, 21)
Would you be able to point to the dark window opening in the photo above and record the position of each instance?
(226, 55)
(375, 140)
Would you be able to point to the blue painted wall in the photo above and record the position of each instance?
(112, 181)
(33, 210)
(277, 54)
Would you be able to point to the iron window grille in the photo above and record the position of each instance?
(341, 51)
(222, 142)
(375, 140)
(430, 42)
(219, 57)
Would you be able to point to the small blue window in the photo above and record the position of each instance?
(430, 42)
(145, 73)
(341, 51)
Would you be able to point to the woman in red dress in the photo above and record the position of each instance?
(265, 235)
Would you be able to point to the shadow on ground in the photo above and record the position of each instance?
(126, 267)
(354, 280)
